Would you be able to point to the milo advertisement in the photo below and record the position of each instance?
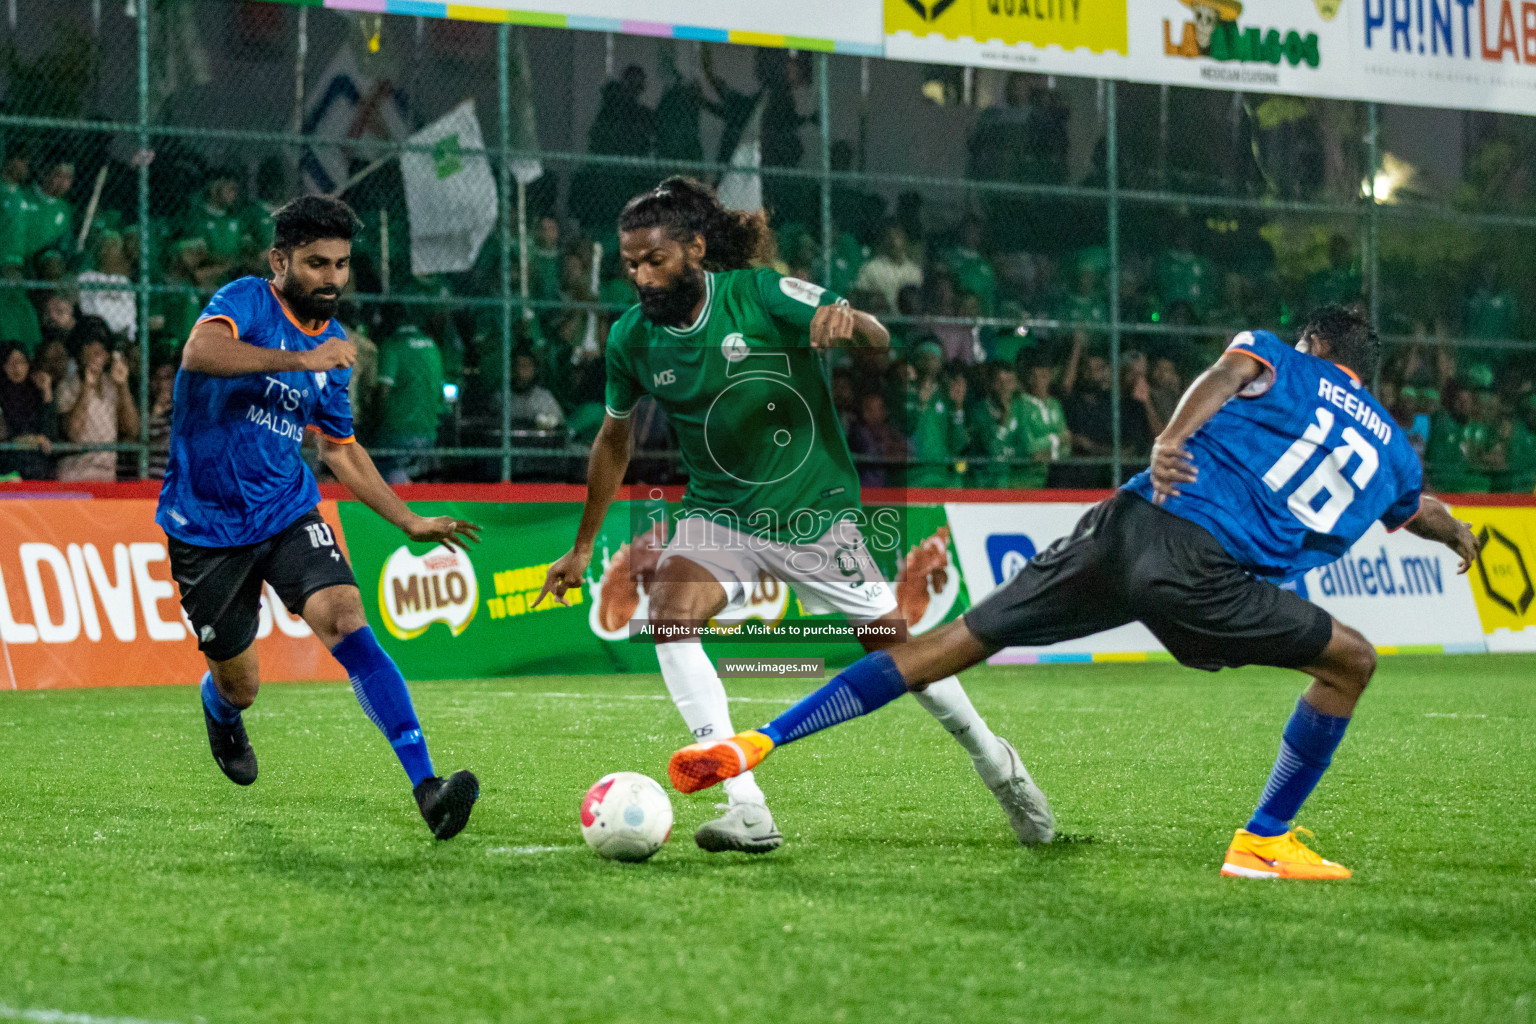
(452, 614)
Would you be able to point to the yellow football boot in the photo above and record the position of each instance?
(1282, 856)
(702, 765)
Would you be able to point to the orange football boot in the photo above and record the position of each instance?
(1282, 856)
(701, 765)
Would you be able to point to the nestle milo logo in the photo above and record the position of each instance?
(418, 590)
(1214, 31)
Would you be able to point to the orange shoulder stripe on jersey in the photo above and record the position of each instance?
(1273, 376)
(1239, 350)
(227, 319)
(349, 439)
(1352, 374)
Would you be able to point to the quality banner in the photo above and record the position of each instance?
(455, 614)
(86, 599)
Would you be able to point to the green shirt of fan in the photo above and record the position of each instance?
(973, 274)
(225, 232)
(937, 430)
(48, 223)
(1046, 438)
(1451, 456)
(411, 366)
(1519, 474)
(748, 402)
(997, 435)
(15, 212)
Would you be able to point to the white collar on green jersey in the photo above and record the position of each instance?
(709, 300)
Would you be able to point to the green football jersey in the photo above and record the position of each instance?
(411, 364)
(49, 223)
(747, 400)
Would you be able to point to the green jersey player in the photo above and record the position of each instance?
(730, 352)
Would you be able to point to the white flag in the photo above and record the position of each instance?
(741, 188)
(450, 194)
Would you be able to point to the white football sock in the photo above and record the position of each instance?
(700, 696)
(946, 700)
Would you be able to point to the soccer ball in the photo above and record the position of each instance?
(626, 816)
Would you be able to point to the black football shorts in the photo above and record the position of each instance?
(221, 587)
(1128, 560)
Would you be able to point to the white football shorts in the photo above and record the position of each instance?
(832, 574)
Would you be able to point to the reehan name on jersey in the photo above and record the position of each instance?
(234, 474)
(1298, 466)
(747, 398)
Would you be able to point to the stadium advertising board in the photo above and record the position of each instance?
(1504, 581)
(462, 615)
(1401, 591)
(799, 24)
(1474, 54)
(86, 599)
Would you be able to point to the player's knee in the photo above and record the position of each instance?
(1357, 659)
(680, 602)
(237, 683)
(334, 613)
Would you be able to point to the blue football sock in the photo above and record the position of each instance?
(871, 682)
(222, 710)
(380, 689)
(1306, 749)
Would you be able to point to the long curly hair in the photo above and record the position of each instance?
(685, 207)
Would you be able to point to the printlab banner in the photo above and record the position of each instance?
(1476, 54)
(1401, 591)
(86, 599)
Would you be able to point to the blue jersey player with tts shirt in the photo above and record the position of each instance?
(1276, 460)
(266, 363)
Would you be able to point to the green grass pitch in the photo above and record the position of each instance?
(136, 882)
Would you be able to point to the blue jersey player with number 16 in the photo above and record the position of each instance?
(265, 363)
(1276, 460)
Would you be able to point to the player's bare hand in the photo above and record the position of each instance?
(334, 353)
(832, 326)
(446, 530)
(1172, 465)
(1466, 545)
(565, 574)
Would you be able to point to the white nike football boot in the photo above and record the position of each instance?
(747, 828)
(1028, 811)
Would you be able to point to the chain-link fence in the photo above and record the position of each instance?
(1056, 258)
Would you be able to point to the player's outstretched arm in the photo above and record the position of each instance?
(605, 473)
(213, 349)
(353, 466)
(840, 325)
(1171, 463)
(1435, 522)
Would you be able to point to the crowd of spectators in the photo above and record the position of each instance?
(998, 304)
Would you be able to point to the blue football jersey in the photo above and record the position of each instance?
(235, 475)
(1298, 466)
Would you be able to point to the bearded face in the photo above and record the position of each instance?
(1205, 24)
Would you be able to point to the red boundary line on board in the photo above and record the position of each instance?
(533, 493)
